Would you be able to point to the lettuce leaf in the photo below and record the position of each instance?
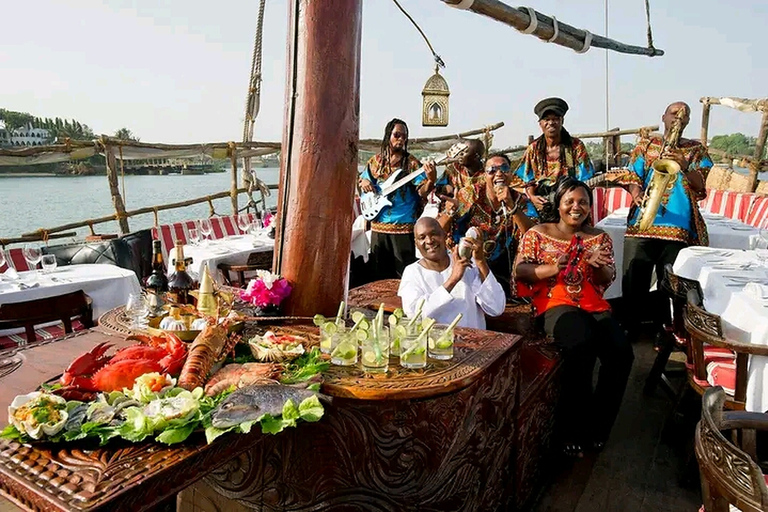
(176, 435)
(305, 367)
(310, 409)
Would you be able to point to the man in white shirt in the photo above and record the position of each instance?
(449, 284)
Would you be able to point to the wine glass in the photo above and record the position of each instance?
(244, 222)
(32, 254)
(194, 236)
(49, 263)
(136, 309)
(206, 229)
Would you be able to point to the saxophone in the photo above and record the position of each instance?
(665, 173)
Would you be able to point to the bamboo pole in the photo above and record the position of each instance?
(705, 123)
(114, 190)
(34, 237)
(139, 211)
(612, 133)
(233, 183)
(567, 35)
(759, 148)
(461, 135)
(741, 104)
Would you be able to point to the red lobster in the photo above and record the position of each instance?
(95, 371)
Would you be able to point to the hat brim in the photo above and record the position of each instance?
(552, 110)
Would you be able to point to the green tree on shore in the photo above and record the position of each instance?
(126, 134)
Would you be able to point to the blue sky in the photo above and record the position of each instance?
(177, 70)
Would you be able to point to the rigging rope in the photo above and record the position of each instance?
(252, 106)
(438, 60)
(648, 23)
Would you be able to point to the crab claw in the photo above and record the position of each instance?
(86, 364)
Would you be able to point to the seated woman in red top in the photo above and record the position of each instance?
(565, 265)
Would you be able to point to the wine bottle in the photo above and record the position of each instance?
(157, 282)
(180, 283)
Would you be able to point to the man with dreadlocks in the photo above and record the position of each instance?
(554, 154)
(392, 242)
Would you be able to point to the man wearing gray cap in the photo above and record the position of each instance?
(554, 154)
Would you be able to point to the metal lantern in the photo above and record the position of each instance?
(434, 111)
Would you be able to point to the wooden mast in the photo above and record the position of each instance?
(318, 169)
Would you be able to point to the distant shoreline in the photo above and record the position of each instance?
(33, 175)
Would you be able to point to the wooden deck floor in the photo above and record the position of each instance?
(642, 468)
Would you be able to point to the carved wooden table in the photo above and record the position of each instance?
(442, 438)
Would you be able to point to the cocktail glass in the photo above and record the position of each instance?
(399, 331)
(344, 348)
(413, 351)
(327, 330)
(440, 343)
(375, 352)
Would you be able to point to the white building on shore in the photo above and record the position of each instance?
(24, 136)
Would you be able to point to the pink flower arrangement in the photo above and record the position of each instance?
(267, 289)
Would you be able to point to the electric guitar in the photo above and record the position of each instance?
(371, 203)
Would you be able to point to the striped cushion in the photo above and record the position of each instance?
(734, 205)
(43, 333)
(720, 373)
(17, 258)
(607, 200)
(758, 212)
(598, 204)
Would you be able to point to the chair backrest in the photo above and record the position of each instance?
(256, 261)
(16, 257)
(706, 328)
(139, 245)
(30, 313)
(758, 212)
(169, 233)
(734, 205)
(728, 474)
(677, 287)
(110, 252)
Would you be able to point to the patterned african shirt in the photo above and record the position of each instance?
(678, 218)
(406, 202)
(475, 209)
(457, 176)
(577, 289)
(531, 171)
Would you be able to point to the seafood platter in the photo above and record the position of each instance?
(164, 389)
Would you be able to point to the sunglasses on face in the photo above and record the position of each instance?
(398, 135)
(505, 168)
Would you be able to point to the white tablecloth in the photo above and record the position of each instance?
(232, 250)
(723, 233)
(724, 276)
(108, 286)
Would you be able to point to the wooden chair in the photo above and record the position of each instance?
(709, 370)
(729, 472)
(676, 336)
(50, 309)
(256, 261)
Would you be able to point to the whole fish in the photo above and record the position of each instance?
(251, 402)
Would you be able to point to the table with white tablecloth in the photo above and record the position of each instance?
(108, 286)
(232, 250)
(723, 233)
(735, 286)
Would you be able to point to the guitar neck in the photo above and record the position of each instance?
(402, 181)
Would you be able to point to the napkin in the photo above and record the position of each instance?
(11, 273)
(756, 290)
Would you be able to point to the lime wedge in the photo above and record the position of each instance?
(357, 316)
(398, 313)
(370, 358)
(319, 320)
(431, 343)
(395, 347)
(443, 343)
(401, 332)
(392, 321)
(361, 335)
(326, 344)
(364, 325)
(330, 328)
(344, 351)
(425, 322)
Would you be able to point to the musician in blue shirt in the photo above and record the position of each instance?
(392, 243)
